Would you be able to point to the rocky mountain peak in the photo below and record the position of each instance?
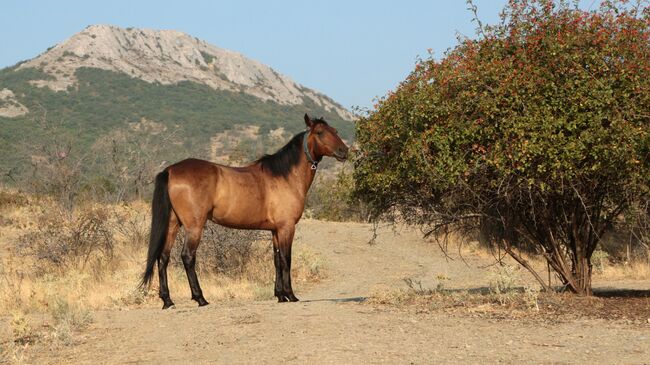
(168, 57)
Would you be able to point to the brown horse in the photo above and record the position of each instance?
(268, 194)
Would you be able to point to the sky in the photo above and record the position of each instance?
(353, 51)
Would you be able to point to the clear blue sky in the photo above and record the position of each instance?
(351, 50)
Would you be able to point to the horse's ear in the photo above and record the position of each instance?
(308, 121)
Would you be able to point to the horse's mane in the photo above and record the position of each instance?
(281, 162)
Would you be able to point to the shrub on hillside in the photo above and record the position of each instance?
(61, 241)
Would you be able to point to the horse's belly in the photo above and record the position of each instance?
(240, 215)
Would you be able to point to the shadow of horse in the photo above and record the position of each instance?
(337, 300)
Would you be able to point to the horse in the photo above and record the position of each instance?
(268, 194)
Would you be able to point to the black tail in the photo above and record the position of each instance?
(160, 211)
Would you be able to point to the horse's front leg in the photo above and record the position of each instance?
(282, 241)
(277, 291)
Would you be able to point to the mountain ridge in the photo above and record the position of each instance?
(103, 81)
(169, 57)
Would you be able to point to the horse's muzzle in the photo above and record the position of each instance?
(341, 154)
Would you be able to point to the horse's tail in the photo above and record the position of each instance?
(160, 212)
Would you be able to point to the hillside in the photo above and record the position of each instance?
(106, 80)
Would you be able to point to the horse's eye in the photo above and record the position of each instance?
(320, 133)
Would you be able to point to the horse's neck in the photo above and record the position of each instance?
(303, 175)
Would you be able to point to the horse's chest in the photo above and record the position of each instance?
(286, 206)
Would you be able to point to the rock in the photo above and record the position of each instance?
(9, 106)
(168, 57)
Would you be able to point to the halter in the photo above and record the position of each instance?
(314, 164)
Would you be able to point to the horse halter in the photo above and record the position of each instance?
(314, 164)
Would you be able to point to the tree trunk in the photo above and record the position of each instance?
(574, 268)
(582, 275)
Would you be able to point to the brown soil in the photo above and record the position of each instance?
(333, 323)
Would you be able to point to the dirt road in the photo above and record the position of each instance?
(331, 324)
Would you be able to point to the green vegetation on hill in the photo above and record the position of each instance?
(104, 101)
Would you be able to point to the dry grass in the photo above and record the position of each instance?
(638, 269)
(64, 262)
(29, 332)
(519, 303)
(604, 268)
(508, 297)
(56, 266)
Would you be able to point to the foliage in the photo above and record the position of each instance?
(104, 101)
(537, 129)
(208, 58)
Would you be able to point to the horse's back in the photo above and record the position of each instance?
(194, 174)
(231, 196)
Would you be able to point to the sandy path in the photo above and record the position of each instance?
(357, 269)
(330, 326)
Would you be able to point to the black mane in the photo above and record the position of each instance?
(281, 162)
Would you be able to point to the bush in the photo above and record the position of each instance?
(67, 241)
(226, 251)
(537, 129)
(133, 225)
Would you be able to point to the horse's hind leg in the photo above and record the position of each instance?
(163, 260)
(193, 237)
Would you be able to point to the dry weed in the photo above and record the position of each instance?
(21, 329)
(11, 199)
(635, 270)
(95, 255)
(67, 318)
(64, 241)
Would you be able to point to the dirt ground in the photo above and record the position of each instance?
(333, 324)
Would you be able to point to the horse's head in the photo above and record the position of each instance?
(324, 140)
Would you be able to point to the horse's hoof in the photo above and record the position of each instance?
(293, 298)
(202, 302)
(282, 299)
(168, 306)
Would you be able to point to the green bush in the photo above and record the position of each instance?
(538, 128)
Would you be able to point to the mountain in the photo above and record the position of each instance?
(106, 80)
(169, 57)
